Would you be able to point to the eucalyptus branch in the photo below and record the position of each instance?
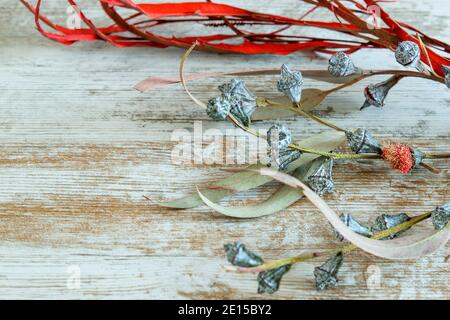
(308, 114)
(296, 106)
(272, 264)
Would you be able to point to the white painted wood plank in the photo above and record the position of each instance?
(80, 148)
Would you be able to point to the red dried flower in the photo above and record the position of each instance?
(400, 156)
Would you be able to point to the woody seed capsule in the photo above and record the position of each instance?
(280, 159)
(290, 83)
(418, 156)
(354, 225)
(239, 256)
(319, 175)
(269, 281)
(408, 54)
(361, 141)
(376, 93)
(441, 216)
(218, 108)
(340, 65)
(325, 275)
(279, 136)
(242, 100)
(386, 221)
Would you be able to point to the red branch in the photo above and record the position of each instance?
(349, 23)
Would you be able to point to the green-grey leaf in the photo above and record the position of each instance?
(245, 180)
(281, 199)
(279, 107)
(325, 76)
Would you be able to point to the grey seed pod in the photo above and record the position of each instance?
(340, 65)
(239, 256)
(354, 225)
(325, 275)
(408, 54)
(237, 89)
(441, 216)
(361, 141)
(218, 108)
(241, 99)
(269, 281)
(279, 136)
(418, 156)
(290, 83)
(319, 175)
(446, 70)
(281, 158)
(376, 93)
(239, 112)
(386, 221)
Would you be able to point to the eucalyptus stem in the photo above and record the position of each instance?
(432, 155)
(336, 155)
(272, 264)
(430, 168)
(404, 73)
(308, 114)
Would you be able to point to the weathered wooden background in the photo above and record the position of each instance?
(80, 148)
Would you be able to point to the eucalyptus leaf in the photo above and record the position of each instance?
(281, 199)
(408, 247)
(312, 97)
(325, 76)
(245, 180)
(272, 112)
(280, 107)
(151, 83)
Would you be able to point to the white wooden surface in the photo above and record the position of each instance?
(79, 149)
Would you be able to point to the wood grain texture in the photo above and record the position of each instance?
(80, 148)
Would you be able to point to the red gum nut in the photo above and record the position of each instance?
(400, 156)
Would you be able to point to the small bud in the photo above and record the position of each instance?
(239, 256)
(376, 93)
(280, 159)
(441, 216)
(354, 225)
(279, 136)
(325, 275)
(361, 141)
(446, 70)
(319, 175)
(291, 83)
(269, 281)
(218, 108)
(386, 221)
(408, 54)
(340, 65)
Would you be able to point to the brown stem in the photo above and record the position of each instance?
(430, 168)
(432, 155)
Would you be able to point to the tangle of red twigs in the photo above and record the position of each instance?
(136, 28)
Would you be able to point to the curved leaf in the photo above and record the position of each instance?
(245, 180)
(281, 199)
(409, 247)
